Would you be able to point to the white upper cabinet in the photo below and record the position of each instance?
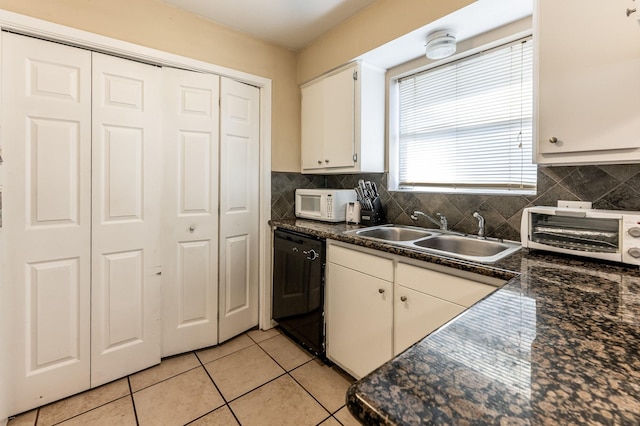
(343, 121)
(588, 82)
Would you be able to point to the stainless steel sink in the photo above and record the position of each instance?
(439, 242)
(393, 233)
(466, 246)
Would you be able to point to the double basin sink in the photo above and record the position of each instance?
(440, 242)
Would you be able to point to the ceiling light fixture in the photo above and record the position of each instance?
(441, 44)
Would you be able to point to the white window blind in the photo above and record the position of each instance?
(467, 125)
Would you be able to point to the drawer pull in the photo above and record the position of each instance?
(403, 298)
(381, 290)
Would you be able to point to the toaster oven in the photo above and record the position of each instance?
(600, 234)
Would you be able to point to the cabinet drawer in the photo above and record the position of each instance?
(455, 289)
(362, 262)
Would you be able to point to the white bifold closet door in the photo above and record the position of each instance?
(46, 108)
(81, 217)
(190, 211)
(239, 207)
(127, 182)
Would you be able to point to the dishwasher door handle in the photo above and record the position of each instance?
(311, 254)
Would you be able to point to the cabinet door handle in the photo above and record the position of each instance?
(326, 161)
(192, 228)
(403, 298)
(319, 161)
(381, 290)
(553, 139)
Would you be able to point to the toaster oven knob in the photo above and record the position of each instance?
(634, 252)
(634, 232)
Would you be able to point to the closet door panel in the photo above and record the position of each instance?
(190, 214)
(46, 107)
(126, 183)
(239, 207)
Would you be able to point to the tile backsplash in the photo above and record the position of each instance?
(615, 187)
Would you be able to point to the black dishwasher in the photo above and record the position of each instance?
(298, 287)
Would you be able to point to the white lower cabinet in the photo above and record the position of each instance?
(359, 310)
(377, 305)
(426, 299)
(417, 314)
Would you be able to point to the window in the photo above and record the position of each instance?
(466, 126)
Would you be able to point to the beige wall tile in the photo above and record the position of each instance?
(324, 383)
(169, 367)
(281, 402)
(117, 413)
(226, 348)
(285, 352)
(243, 371)
(83, 402)
(178, 400)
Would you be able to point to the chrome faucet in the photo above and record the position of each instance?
(442, 223)
(480, 224)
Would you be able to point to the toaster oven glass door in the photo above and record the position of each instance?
(576, 233)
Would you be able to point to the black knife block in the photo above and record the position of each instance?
(375, 216)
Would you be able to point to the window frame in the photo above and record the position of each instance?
(421, 65)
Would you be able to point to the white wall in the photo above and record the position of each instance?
(4, 330)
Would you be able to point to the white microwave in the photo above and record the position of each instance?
(601, 234)
(329, 205)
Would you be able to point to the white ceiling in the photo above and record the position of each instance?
(289, 23)
(296, 23)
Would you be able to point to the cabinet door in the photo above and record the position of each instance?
(339, 119)
(190, 211)
(46, 107)
(588, 68)
(417, 314)
(312, 127)
(359, 315)
(126, 184)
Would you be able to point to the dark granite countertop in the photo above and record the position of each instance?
(558, 344)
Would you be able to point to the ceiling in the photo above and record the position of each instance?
(296, 23)
(289, 23)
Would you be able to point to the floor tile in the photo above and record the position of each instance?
(281, 402)
(169, 367)
(285, 352)
(24, 419)
(226, 348)
(243, 371)
(117, 413)
(323, 382)
(178, 400)
(345, 417)
(221, 417)
(260, 335)
(83, 402)
(330, 422)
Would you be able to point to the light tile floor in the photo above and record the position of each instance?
(258, 378)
